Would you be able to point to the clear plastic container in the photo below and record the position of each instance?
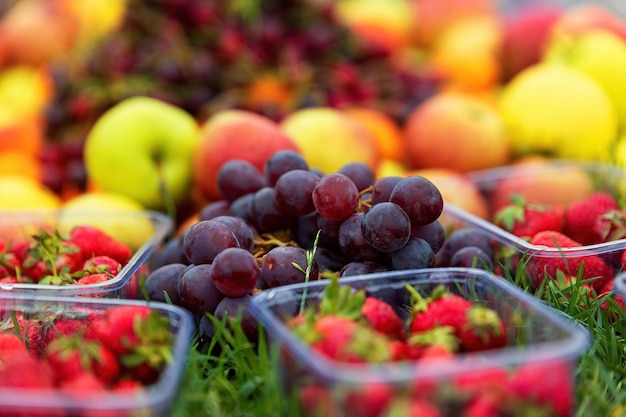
(156, 399)
(512, 251)
(541, 342)
(143, 231)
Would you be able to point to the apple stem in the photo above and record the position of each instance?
(170, 204)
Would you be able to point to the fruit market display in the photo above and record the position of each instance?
(291, 141)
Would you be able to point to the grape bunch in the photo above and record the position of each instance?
(289, 224)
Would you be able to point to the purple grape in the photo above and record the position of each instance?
(382, 188)
(335, 197)
(214, 209)
(433, 233)
(197, 291)
(242, 207)
(235, 272)
(386, 227)
(416, 254)
(163, 280)
(294, 192)
(241, 229)
(278, 267)
(266, 215)
(304, 230)
(238, 177)
(360, 268)
(233, 308)
(329, 232)
(172, 252)
(362, 174)
(459, 239)
(472, 257)
(282, 162)
(205, 239)
(420, 198)
(352, 243)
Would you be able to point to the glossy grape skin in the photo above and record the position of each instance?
(265, 213)
(281, 162)
(170, 253)
(382, 188)
(434, 233)
(232, 308)
(459, 239)
(241, 229)
(416, 254)
(214, 209)
(294, 192)
(335, 197)
(329, 232)
(360, 268)
(419, 197)
(164, 280)
(352, 243)
(472, 257)
(361, 174)
(235, 272)
(238, 177)
(278, 267)
(242, 207)
(386, 227)
(204, 240)
(197, 291)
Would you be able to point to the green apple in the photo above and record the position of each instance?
(553, 109)
(601, 55)
(143, 148)
(116, 214)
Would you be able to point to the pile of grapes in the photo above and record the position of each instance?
(289, 224)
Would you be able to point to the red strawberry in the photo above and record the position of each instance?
(102, 264)
(416, 407)
(445, 310)
(10, 344)
(403, 350)
(484, 330)
(546, 267)
(547, 385)
(482, 406)
(26, 371)
(609, 226)
(369, 400)
(94, 242)
(317, 401)
(93, 279)
(525, 219)
(383, 318)
(581, 216)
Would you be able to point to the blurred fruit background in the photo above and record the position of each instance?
(440, 87)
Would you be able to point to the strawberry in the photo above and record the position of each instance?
(10, 344)
(524, 219)
(546, 385)
(102, 264)
(403, 350)
(488, 381)
(581, 216)
(414, 407)
(368, 400)
(481, 406)
(117, 328)
(26, 371)
(317, 401)
(609, 226)
(484, 330)
(93, 279)
(590, 266)
(383, 318)
(94, 242)
(50, 259)
(443, 309)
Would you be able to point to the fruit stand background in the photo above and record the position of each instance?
(405, 86)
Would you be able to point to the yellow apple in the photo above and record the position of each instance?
(329, 138)
(599, 53)
(554, 109)
(457, 131)
(116, 214)
(19, 192)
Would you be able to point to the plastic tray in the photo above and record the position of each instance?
(513, 250)
(538, 335)
(144, 231)
(155, 401)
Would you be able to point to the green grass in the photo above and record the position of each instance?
(230, 376)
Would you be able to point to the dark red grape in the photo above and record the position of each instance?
(329, 232)
(433, 233)
(163, 280)
(205, 239)
(335, 197)
(330, 260)
(362, 174)
(420, 198)
(352, 242)
(304, 230)
(242, 207)
(231, 309)
(235, 272)
(238, 177)
(472, 257)
(171, 252)
(280, 163)
(265, 213)
(416, 254)
(382, 188)
(197, 291)
(360, 268)
(386, 227)
(278, 267)
(241, 229)
(214, 209)
(459, 239)
(294, 192)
